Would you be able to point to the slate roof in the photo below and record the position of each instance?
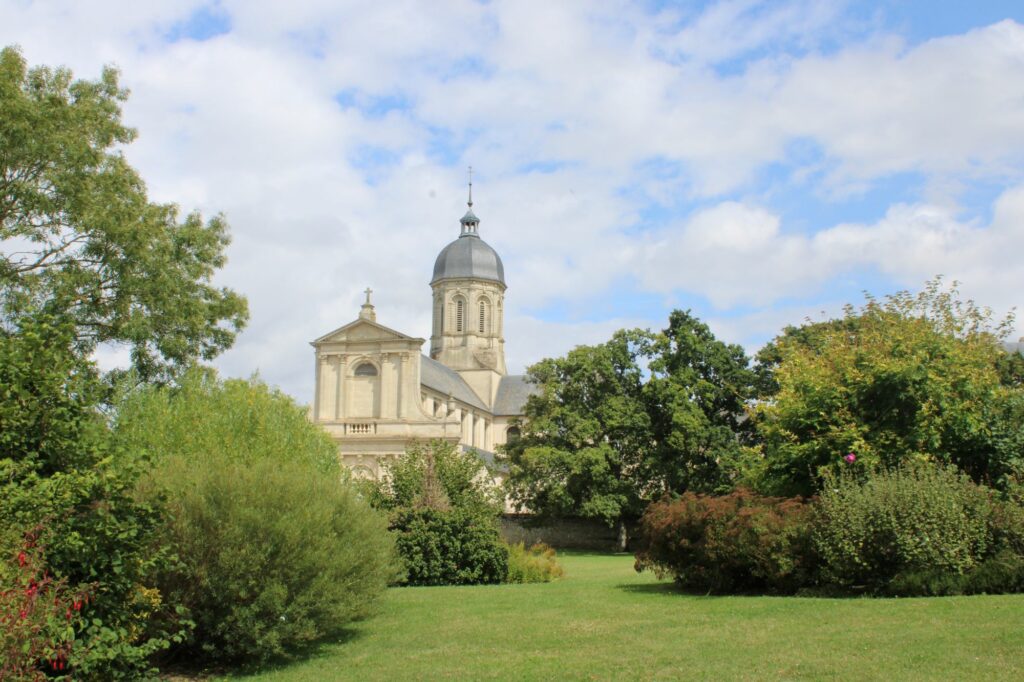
(513, 390)
(471, 257)
(447, 381)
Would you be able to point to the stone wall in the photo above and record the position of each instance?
(563, 534)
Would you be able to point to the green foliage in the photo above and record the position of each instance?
(696, 399)
(276, 550)
(538, 564)
(914, 519)
(585, 434)
(619, 424)
(64, 483)
(443, 508)
(453, 547)
(738, 542)
(462, 480)
(123, 269)
(38, 614)
(910, 378)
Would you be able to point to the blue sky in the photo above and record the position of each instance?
(757, 162)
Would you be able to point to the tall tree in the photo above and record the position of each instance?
(584, 437)
(622, 423)
(696, 398)
(910, 377)
(81, 237)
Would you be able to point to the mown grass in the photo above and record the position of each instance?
(605, 622)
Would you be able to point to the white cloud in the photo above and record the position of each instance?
(247, 123)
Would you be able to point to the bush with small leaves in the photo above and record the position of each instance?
(277, 550)
(740, 542)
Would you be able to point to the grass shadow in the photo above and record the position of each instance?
(180, 670)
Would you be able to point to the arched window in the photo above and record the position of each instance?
(459, 315)
(483, 317)
(366, 370)
(512, 434)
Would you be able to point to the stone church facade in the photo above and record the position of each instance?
(376, 392)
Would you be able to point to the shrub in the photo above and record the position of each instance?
(36, 612)
(276, 550)
(64, 481)
(537, 564)
(444, 511)
(453, 547)
(905, 526)
(732, 543)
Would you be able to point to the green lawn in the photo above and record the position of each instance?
(605, 622)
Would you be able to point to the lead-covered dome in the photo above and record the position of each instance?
(469, 256)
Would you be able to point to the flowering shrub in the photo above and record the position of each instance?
(730, 543)
(38, 616)
(61, 475)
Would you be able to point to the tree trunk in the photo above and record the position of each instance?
(622, 539)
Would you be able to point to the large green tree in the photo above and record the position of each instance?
(80, 235)
(86, 259)
(696, 397)
(622, 423)
(585, 435)
(906, 378)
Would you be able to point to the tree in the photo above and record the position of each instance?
(908, 378)
(584, 438)
(623, 423)
(81, 237)
(696, 398)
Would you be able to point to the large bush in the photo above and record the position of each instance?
(67, 505)
(732, 543)
(444, 507)
(452, 547)
(910, 521)
(277, 551)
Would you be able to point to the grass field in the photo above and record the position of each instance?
(605, 622)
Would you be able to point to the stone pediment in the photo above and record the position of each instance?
(363, 330)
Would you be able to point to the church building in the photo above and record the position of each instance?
(376, 392)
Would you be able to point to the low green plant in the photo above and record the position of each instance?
(902, 530)
(449, 547)
(730, 543)
(538, 564)
(443, 508)
(277, 550)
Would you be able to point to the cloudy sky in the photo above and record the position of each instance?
(757, 162)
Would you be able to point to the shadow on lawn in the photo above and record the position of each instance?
(181, 671)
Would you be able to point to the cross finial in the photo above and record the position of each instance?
(368, 292)
(470, 187)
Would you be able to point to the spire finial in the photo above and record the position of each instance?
(368, 292)
(470, 202)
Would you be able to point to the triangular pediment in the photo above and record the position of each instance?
(363, 330)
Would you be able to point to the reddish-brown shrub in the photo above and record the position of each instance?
(740, 542)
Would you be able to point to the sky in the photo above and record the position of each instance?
(759, 163)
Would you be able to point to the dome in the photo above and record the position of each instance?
(469, 256)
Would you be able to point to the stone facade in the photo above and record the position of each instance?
(376, 392)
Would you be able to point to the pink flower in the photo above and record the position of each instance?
(850, 458)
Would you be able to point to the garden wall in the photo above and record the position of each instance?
(561, 534)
